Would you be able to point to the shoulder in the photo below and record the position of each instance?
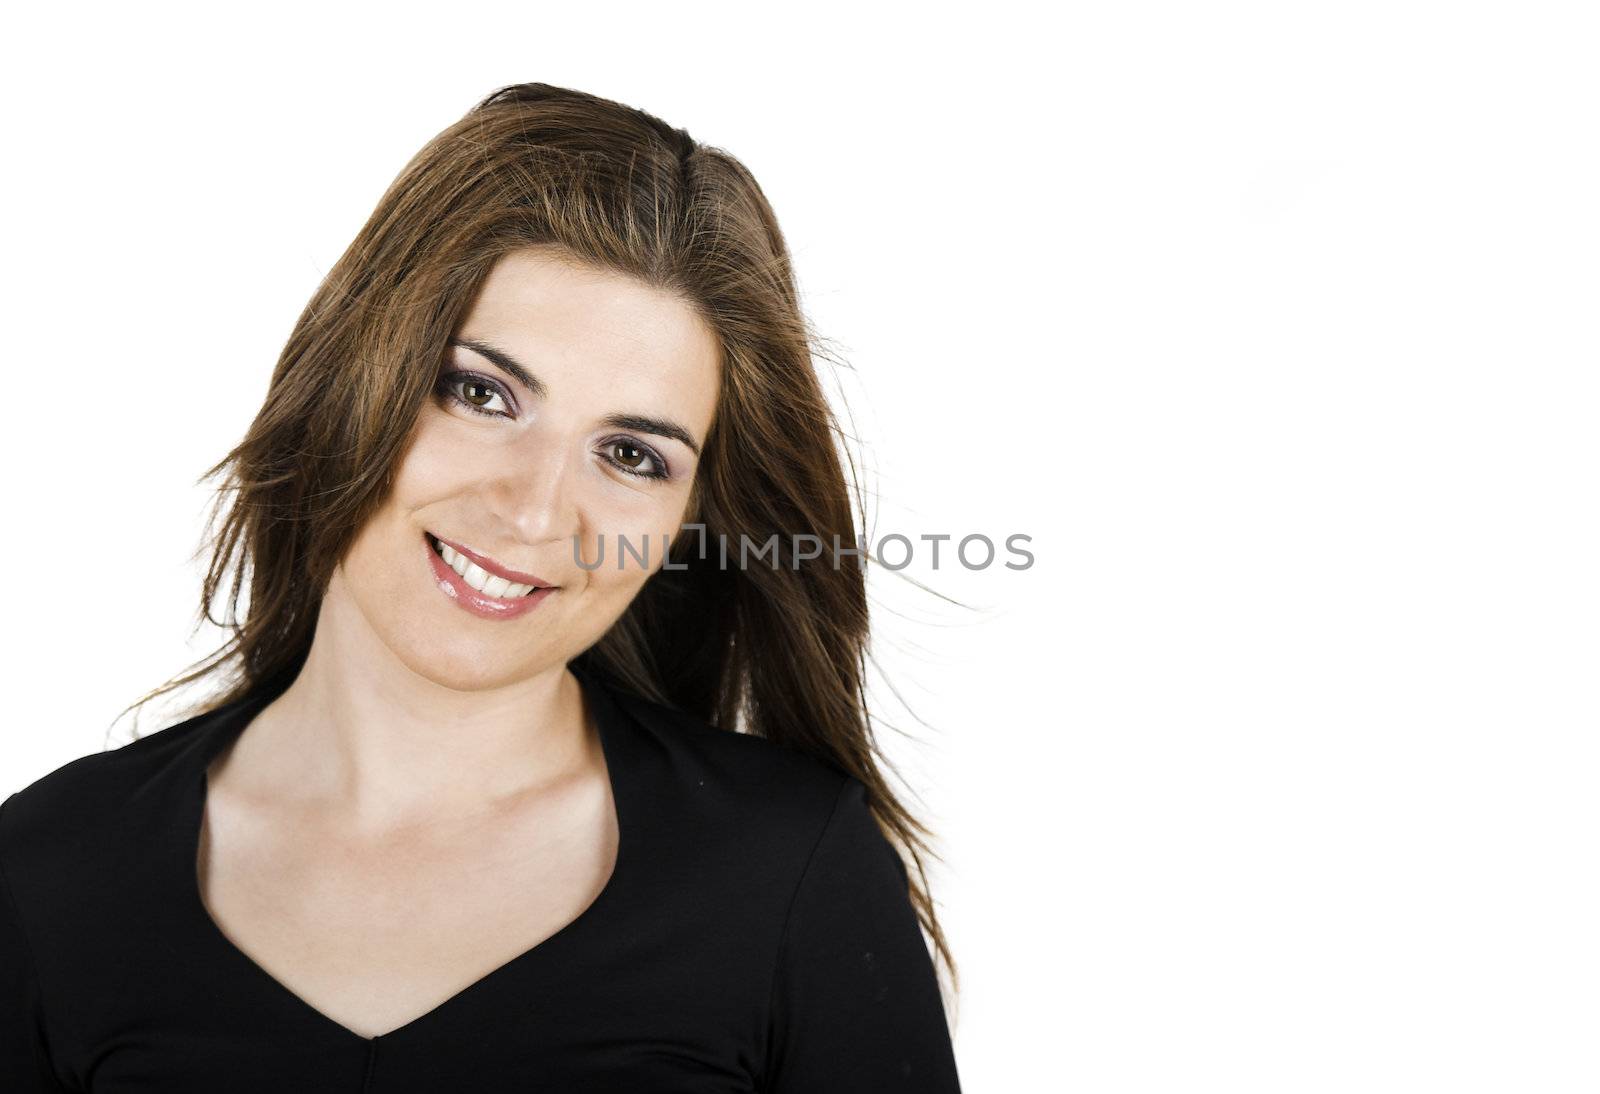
(739, 781)
(85, 803)
(777, 841)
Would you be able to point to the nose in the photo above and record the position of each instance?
(532, 492)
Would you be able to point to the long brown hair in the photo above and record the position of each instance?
(781, 650)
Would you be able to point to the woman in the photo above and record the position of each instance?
(472, 813)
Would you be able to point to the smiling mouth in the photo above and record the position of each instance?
(480, 578)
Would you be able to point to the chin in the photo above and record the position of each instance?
(462, 665)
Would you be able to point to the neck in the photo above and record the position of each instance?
(361, 734)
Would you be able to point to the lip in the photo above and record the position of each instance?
(493, 567)
(479, 604)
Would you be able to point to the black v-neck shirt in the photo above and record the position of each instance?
(756, 935)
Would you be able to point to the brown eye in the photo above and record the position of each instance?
(482, 390)
(633, 458)
(474, 393)
(629, 455)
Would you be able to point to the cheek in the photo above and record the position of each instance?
(436, 464)
(630, 529)
(382, 564)
(608, 592)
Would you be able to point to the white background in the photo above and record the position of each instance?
(1274, 325)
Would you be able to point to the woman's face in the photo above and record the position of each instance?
(570, 405)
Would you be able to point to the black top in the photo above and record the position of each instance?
(755, 935)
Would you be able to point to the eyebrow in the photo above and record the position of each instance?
(643, 423)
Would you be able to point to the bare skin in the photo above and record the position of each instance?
(429, 798)
(375, 929)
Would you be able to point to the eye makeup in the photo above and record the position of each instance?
(450, 383)
(660, 471)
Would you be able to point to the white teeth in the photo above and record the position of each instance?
(474, 575)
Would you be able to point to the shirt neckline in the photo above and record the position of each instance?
(620, 748)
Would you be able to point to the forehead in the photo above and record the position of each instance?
(570, 323)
